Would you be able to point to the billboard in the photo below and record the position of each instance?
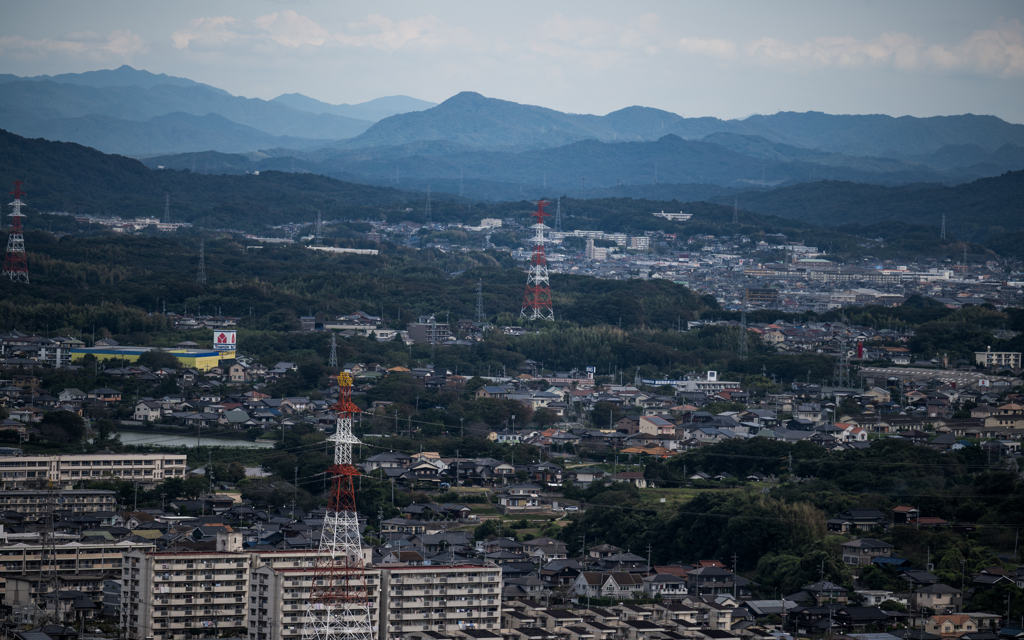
(224, 340)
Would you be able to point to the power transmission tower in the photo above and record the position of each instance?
(48, 556)
(942, 234)
(167, 209)
(537, 298)
(480, 300)
(429, 216)
(339, 603)
(736, 211)
(334, 351)
(460, 182)
(16, 262)
(319, 230)
(741, 348)
(201, 276)
(558, 215)
(841, 374)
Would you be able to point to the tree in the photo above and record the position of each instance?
(62, 426)
(157, 359)
(105, 430)
(545, 417)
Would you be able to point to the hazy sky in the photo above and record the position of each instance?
(724, 59)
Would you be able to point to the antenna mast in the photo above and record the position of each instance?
(15, 263)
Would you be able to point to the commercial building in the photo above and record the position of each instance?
(768, 297)
(201, 359)
(148, 469)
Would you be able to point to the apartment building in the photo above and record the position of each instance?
(1002, 359)
(76, 566)
(180, 595)
(35, 503)
(279, 601)
(148, 469)
(174, 595)
(438, 598)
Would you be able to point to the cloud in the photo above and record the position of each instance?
(121, 44)
(709, 47)
(291, 29)
(209, 31)
(598, 44)
(998, 51)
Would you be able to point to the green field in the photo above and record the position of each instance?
(652, 498)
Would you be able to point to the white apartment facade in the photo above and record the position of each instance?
(148, 469)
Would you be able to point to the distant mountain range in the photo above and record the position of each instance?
(486, 148)
(372, 110)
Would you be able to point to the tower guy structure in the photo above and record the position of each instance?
(339, 604)
(15, 262)
(537, 299)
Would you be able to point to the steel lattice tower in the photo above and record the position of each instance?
(339, 603)
(201, 276)
(319, 240)
(15, 263)
(480, 300)
(167, 209)
(537, 299)
(741, 348)
(430, 218)
(334, 350)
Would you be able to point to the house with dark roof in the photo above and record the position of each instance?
(863, 550)
(858, 520)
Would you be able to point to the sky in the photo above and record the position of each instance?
(726, 59)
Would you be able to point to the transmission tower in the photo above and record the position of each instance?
(841, 374)
(736, 211)
(319, 230)
(942, 234)
(537, 299)
(15, 263)
(201, 276)
(48, 555)
(558, 215)
(741, 348)
(334, 350)
(430, 220)
(167, 209)
(339, 603)
(480, 300)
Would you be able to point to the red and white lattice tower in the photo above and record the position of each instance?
(15, 263)
(537, 299)
(339, 603)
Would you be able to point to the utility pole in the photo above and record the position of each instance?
(295, 491)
